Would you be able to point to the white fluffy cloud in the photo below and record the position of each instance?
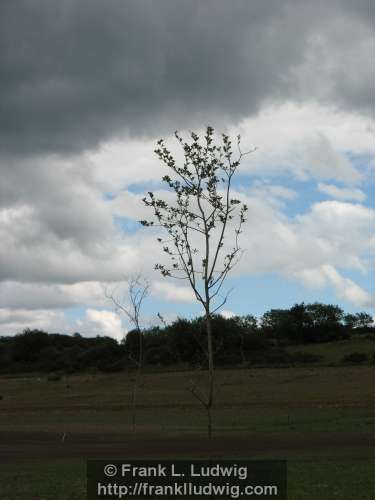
(345, 288)
(342, 193)
(307, 141)
(167, 290)
(313, 247)
(226, 313)
(16, 320)
(102, 322)
(32, 295)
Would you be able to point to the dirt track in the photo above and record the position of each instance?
(41, 446)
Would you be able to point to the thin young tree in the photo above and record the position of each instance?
(131, 305)
(198, 213)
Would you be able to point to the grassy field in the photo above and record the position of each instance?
(321, 419)
(333, 352)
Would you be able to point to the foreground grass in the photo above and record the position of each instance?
(43, 481)
(327, 480)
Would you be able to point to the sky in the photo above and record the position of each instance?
(87, 87)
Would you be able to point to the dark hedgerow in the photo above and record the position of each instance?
(356, 358)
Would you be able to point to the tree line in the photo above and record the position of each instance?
(239, 340)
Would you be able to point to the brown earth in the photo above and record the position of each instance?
(41, 446)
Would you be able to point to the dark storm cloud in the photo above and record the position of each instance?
(75, 72)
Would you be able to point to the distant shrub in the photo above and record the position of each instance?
(306, 357)
(53, 377)
(356, 358)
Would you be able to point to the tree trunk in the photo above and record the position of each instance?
(210, 354)
(140, 358)
(137, 382)
(242, 352)
(134, 405)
